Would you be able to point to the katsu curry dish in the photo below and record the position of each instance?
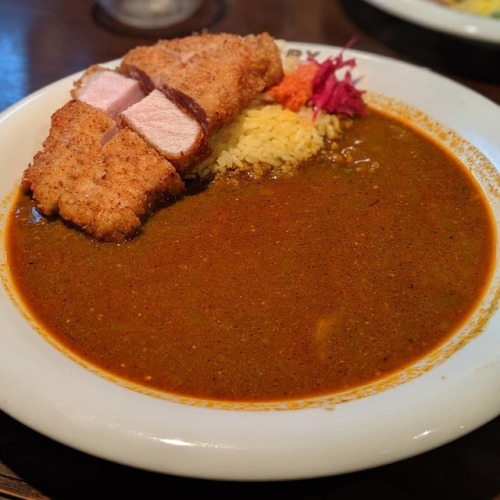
(216, 219)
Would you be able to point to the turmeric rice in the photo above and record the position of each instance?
(269, 138)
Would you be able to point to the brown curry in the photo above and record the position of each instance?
(360, 264)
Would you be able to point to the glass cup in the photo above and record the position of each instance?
(149, 14)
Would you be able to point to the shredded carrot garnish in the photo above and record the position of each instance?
(295, 89)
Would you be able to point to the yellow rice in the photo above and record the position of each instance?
(268, 138)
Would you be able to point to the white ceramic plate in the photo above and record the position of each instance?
(419, 411)
(441, 18)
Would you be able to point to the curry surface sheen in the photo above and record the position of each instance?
(275, 289)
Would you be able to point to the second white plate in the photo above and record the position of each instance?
(441, 18)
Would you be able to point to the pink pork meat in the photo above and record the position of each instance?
(171, 128)
(107, 90)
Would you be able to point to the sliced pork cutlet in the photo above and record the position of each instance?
(223, 73)
(105, 189)
(176, 132)
(108, 90)
(168, 119)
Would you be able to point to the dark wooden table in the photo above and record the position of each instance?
(42, 41)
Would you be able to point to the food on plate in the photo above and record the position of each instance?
(267, 139)
(489, 8)
(169, 97)
(302, 277)
(104, 188)
(320, 85)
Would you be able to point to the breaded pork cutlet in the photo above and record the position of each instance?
(221, 72)
(104, 185)
(167, 119)
(121, 145)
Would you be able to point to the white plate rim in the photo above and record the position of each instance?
(114, 423)
(441, 18)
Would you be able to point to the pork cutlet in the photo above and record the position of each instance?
(107, 190)
(121, 145)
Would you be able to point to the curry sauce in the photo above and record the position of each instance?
(359, 264)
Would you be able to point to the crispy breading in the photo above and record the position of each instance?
(221, 72)
(107, 189)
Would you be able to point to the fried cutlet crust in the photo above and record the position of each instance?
(221, 72)
(107, 190)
